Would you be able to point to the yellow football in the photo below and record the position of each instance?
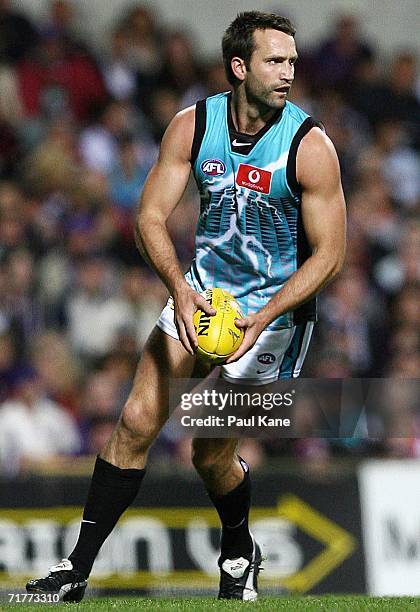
(218, 337)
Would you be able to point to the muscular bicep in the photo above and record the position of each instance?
(169, 176)
(323, 206)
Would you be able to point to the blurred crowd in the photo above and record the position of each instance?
(79, 131)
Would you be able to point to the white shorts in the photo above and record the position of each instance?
(276, 354)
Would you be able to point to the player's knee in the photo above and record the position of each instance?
(138, 425)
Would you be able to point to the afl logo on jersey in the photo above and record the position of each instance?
(254, 178)
(213, 167)
(266, 358)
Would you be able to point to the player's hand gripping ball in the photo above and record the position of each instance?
(218, 337)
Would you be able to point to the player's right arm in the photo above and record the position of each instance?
(162, 192)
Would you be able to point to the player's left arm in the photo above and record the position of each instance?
(324, 219)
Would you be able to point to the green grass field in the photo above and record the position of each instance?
(346, 603)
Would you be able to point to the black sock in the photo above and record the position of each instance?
(233, 509)
(112, 490)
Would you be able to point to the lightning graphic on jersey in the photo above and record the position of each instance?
(220, 187)
(223, 186)
(205, 245)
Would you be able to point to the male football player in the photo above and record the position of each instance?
(272, 232)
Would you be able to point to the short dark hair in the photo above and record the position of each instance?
(238, 40)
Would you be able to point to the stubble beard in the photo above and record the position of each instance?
(264, 97)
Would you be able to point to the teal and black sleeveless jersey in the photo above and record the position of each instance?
(250, 237)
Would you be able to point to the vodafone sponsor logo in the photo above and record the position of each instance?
(254, 178)
(213, 167)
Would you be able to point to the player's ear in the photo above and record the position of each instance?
(238, 68)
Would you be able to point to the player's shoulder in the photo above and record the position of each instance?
(314, 135)
(317, 159)
(310, 132)
(317, 143)
(183, 118)
(179, 134)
